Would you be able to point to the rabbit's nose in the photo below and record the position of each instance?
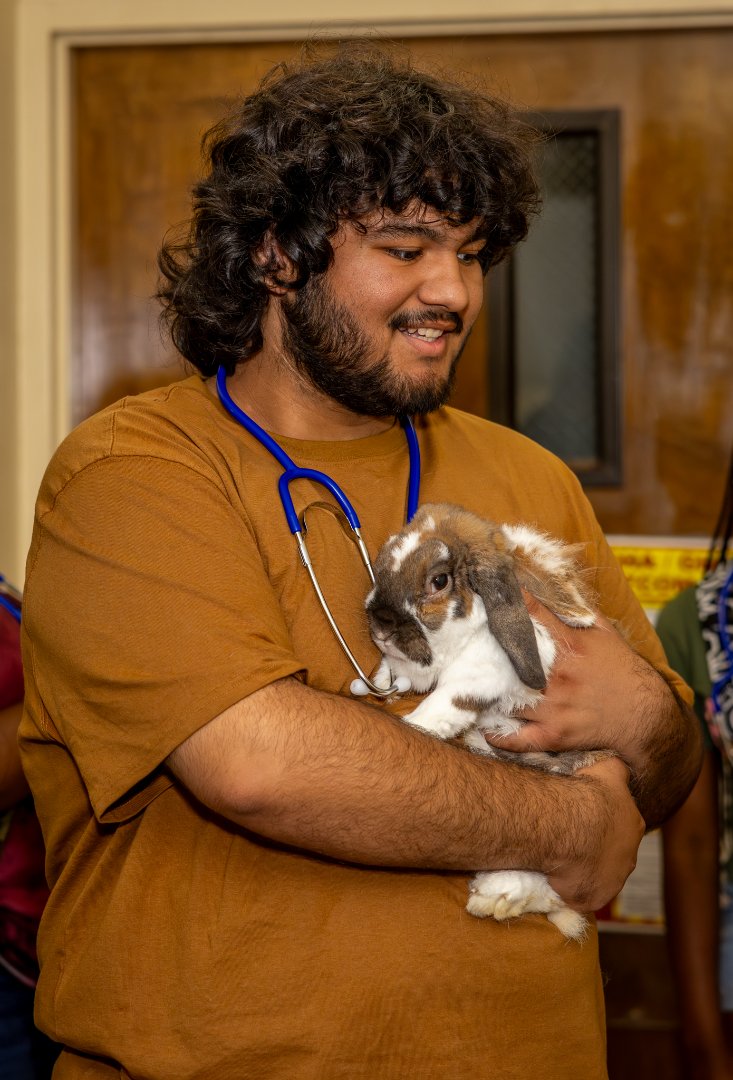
(384, 618)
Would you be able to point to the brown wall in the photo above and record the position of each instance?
(141, 110)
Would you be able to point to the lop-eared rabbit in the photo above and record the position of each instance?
(446, 612)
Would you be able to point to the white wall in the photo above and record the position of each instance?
(35, 39)
(8, 392)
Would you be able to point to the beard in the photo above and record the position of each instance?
(329, 346)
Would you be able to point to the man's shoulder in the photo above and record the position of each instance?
(502, 475)
(450, 421)
(135, 423)
(164, 422)
(482, 443)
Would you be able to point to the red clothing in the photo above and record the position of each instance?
(11, 670)
(23, 890)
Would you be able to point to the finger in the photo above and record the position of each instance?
(604, 623)
(558, 630)
(610, 768)
(538, 611)
(528, 739)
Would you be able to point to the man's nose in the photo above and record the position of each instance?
(444, 284)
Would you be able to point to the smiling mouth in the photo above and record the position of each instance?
(426, 332)
(427, 325)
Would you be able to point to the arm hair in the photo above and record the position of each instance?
(349, 781)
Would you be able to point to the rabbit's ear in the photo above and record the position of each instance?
(509, 619)
(552, 572)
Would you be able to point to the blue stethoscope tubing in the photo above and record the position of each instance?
(9, 607)
(8, 604)
(292, 472)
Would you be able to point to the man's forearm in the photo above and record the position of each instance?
(664, 770)
(349, 781)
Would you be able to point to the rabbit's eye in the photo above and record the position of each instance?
(438, 583)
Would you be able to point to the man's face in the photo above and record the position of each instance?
(382, 330)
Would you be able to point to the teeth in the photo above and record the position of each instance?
(426, 332)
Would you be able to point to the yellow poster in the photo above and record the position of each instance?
(658, 567)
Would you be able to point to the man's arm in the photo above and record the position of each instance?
(349, 781)
(603, 695)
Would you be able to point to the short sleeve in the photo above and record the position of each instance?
(148, 612)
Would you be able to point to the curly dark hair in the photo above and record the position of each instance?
(322, 141)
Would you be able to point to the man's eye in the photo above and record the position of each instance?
(404, 254)
(469, 256)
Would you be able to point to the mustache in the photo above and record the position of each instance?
(412, 320)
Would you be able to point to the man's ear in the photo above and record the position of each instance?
(278, 272)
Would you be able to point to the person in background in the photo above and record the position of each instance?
(696, 629)
(25, 1054)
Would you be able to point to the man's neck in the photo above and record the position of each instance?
(282, 401)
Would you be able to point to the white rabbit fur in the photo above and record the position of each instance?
(446, 610)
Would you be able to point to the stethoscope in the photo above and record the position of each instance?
(363, 685)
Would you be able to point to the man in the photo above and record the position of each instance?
(255, 875)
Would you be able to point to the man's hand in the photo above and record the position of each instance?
(603, 695)
(594, 694)
(593, 879)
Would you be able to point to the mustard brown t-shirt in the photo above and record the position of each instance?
(163, 586)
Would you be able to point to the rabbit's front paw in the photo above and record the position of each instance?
(440, 717)
(383, 676)
(506, 894)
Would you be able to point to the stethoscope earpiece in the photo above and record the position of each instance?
(400, 686)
